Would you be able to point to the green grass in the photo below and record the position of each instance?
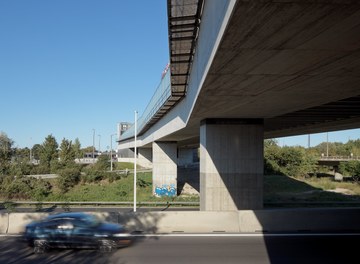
(117, 191)
(283, 189)
(124, 165)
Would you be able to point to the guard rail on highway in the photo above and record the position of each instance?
(130, 203)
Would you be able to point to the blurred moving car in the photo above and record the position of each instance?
(75, 230)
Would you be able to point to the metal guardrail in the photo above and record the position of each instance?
(339, 158)
(161, 95)
(175, 203)
(130, 203)
(43, 176)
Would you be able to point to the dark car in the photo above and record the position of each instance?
(75, 230)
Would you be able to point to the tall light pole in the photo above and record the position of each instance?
(327, 144)
(135, 161)
(111, 159)
(31, 150)
(93, 153)
(99, 142)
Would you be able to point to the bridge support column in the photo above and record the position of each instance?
(231, 164)
(145, 157)
(165, 168)
(186, 156)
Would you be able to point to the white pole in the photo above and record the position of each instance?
(111, 165)
(99, 141)
(135, 161)
(30, 150)
(327, 144)
(93, 153)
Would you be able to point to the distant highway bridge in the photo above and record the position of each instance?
(335, 160)
(241, 71)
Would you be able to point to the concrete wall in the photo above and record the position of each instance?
(4, 223)
(275, 220)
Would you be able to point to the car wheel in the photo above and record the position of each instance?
(40, 246)
(106, 246)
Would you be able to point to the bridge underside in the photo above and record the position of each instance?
(294, 65)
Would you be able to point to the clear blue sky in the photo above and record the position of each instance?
(68, 67)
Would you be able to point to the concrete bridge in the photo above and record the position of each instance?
(335, 160)
(241, 72)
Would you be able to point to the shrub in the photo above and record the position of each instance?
(290, 161)
(68, 178)
(351, 168)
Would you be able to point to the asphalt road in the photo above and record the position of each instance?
(289, 249)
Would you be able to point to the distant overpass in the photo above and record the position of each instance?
(242, 71)
(335, 160)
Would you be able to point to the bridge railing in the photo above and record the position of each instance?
(161, 95)
(339, 158)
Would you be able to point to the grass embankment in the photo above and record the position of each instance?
(117, 191)
(283, 189)
(277, 189)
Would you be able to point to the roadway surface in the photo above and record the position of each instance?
(240, 248)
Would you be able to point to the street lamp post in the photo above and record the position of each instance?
(31, 150)
(327, 144)
(111, 159)
(135, 161)
(93, 153)
(99, 142)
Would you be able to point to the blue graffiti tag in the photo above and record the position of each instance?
(165, 190)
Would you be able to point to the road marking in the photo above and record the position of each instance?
(245, 235)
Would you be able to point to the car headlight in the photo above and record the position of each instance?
(122, 235)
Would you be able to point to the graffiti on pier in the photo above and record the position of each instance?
(165, 190)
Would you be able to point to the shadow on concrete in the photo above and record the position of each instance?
(188, 180)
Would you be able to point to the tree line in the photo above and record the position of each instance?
(298, 161)
(16, 163)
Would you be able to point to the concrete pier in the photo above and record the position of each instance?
(165, 168)
(231, 164)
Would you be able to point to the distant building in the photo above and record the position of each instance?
(123, 126)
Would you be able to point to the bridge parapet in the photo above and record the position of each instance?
(339, 158)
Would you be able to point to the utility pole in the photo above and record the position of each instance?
(327, 144)
(111, 159)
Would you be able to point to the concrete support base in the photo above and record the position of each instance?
(231, 164)
(165, 169)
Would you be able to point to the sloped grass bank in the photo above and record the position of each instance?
(121, 190)
(314, 191)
